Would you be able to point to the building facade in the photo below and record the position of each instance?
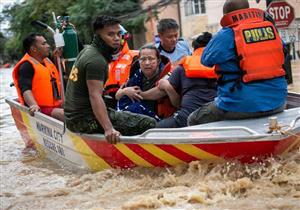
(197, 16)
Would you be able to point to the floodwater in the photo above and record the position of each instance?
(29, 183)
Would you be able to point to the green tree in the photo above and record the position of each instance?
(20, 17)
(84, 12)
(81, 15)
(2, 43)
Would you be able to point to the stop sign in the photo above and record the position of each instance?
(282, 13)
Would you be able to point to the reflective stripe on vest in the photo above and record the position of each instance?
(258, 44)
(42, 89)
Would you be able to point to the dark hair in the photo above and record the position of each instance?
(166, 24)
(29, 41)
(202, 40)
(104, 20)
(233, 5)
(151, 47)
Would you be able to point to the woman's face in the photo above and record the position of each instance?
(148, 62)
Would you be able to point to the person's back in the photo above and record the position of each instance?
(198, 82)
(252, 83)
(194, 93)
(189, 86)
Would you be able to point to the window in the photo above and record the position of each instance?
(194, 7)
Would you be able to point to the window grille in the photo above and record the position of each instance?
(194, 7)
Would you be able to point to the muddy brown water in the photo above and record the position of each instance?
(30, 183)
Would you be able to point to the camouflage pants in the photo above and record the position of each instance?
(127, 123)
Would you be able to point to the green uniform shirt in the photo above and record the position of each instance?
(90, 65)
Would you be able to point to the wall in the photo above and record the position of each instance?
(169, 11)
(195, 24)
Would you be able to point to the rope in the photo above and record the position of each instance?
(279, 129)
(275, 127)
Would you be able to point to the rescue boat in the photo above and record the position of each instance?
(243, 140)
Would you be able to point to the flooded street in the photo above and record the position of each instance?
(30, 183)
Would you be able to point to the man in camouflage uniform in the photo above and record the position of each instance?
(85, 110)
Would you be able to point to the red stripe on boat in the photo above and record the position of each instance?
(286, 143)
(250, 150)
(147, 155)
(177, 153)
(109, 153)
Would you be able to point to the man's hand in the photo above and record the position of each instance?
(34, 108)
(133, 93)
(58, 51)
(112, 136)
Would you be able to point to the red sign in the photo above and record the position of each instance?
(282, 13)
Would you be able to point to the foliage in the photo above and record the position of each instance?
(20, 17)
(3, 40)
(81, 15)
(135, 25)
(84, 12)
(12, 49)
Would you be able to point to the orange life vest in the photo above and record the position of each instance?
(164, 106)
(119, 70)
(193, 67)
(258, 44)
(42, 88)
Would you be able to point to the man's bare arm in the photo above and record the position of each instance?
(171, 92)
(95, 88)
(31, 102)
(153, 94)
(98, 105)
(29, 98)
(174, 96)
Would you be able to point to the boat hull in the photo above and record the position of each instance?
(92, 152)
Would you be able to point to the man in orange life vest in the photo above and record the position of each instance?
(37, 80)
(119, 69)
(189, 86)
(248, 55)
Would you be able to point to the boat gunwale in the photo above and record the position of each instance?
(38, 115)
(197, 140)
(142, 139)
